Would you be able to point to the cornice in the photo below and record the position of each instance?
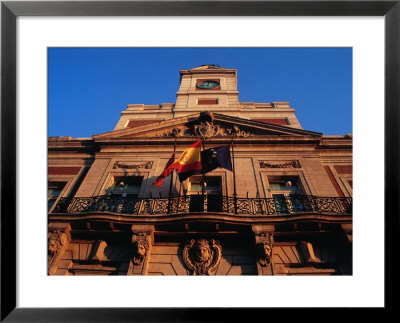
(200, 217)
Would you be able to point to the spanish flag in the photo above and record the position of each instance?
(188, 164)
(167, 170)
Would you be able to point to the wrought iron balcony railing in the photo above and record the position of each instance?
(282, 205)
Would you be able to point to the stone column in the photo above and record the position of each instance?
(142, 241)
(264, 240)
(58, 238)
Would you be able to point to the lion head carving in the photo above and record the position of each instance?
(139, 251)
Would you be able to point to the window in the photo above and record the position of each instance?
(124, 193)
(126, 186)
(212, 191)
(207, 101)
(285, 193)
(53, 192)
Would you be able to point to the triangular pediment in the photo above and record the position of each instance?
(208, 125)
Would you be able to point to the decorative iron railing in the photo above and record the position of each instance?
(281, 205)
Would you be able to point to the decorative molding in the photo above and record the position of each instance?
(287, 164)
(209, 129)
(147, 165)
(175, 132)
(201, 256)
(239, 133)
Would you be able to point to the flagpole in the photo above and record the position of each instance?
(170, 183)
(202, 173)
(234, 179)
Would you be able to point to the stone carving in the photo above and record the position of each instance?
(147, 165)
(209, 129)
(201, 256)
(206, 116)
(140, 248)
(176, 132)
(240, 133)
(288, 164)
(264, 250)
(56, 240)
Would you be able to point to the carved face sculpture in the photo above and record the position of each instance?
(267, 249)
(53, 246)
(141, 248)
(202, 251)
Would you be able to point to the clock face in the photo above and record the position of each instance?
(207, 84)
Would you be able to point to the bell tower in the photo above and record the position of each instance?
(208, 87)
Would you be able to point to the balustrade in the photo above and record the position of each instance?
(293, 204)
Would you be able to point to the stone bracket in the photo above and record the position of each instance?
(308, 252)
(264, 243)
(97, 251)
(142, 240)
(58, 238)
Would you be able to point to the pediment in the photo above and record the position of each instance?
(208, 125)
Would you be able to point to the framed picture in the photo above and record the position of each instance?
(137, 298)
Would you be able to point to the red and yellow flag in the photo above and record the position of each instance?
(188, 164)
(167, 170)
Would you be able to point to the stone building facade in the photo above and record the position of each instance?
(286, 209)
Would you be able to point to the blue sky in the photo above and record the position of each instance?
(89, 87)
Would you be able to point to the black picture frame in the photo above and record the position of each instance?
(10, 10)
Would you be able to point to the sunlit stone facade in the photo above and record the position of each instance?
(286, 209)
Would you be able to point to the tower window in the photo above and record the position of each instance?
(207, 101)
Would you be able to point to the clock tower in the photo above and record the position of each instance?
(208, 87)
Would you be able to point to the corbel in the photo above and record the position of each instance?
(308, 252)
(142, 240)
(58, 238)
(97, 251)
(264, 241)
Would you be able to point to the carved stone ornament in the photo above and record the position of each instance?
(176, 132)
(201, 256)
(56, 240)
(264, 250)
(288, 164)
(240, 133)
(147, 165)
(209, 129)
(140, 248)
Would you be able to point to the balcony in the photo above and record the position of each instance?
(288, 205)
